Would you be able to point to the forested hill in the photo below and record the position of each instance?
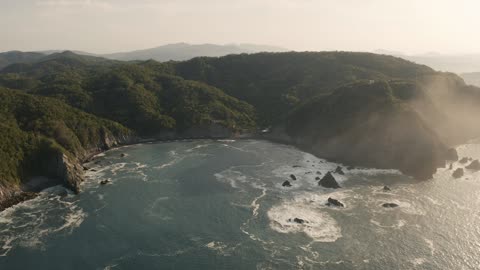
(319, 101)
(277, 82)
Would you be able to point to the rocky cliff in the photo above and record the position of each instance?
(365, 124)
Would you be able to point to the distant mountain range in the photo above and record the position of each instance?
(175, 52)
(184, 51)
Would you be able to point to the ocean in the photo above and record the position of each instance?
(220, 204)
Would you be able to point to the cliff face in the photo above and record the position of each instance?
(66, 169)
(61, 168)
(365, 124)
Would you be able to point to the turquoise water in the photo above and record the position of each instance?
(221, 205)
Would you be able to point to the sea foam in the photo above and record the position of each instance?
(318, 225)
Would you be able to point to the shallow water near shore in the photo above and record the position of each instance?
(221, 205)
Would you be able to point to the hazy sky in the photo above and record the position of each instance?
(412, 26)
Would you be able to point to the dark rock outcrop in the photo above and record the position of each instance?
(386, 188)
(339, 170)
(390, 205)
(66, 169)
(299, 220)
(293, 177)
(458, 173)
(474, 165)
(16, 198)
(464, 160)
(328, 181)
(104, 182)
(334, 202)
(286, 184)
(317, 178)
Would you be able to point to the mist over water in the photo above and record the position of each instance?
(221, 205)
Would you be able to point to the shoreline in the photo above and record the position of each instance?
(25, 193)
(22, 195)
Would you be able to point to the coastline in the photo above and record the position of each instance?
(73, 170)
(78, 167)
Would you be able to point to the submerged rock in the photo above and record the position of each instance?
(296, 166)
(474, 165)
(293, 177)
(386, 188)
(451, 166)
(339, 170)
(350, 168)
(123, 155)
(390, 205)
(317, 178)
(458, 173)
(286, 184)
(334, 202)
(329, 181)
(464, 160)
(319, 173)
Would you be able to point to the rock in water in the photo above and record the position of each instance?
(475, 165)
(293, 177)
(390, 205)
(317, 178)
(329, 181)
(123, 155)
(104, 182)
(452, 154)
(334, 202)
(458, 173)
(386, 188)
(339, 170)
(464, 160)
(451, 167)
(299, 220)
(286, 184)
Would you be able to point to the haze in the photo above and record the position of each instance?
(103, 26)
